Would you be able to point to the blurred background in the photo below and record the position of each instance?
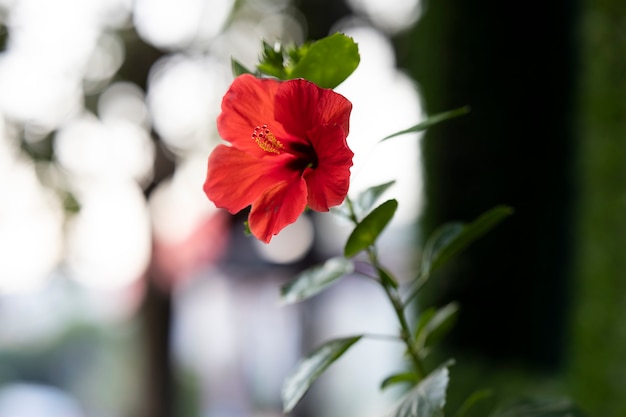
(124, 292)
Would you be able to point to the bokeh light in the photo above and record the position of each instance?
(92, 149)
(109, 240)
(126, 160)
(173, 24)
(103, 62)
(123, 100)
(51, 46)
(30, 226)
(37, 400)
(395, 107)
(189, 232)
(290, 245)
(390, 15)
(183, 97)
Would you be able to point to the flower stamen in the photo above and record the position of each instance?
(266, 140)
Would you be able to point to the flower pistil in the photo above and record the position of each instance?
(266, 140)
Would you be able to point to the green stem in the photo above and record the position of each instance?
(351, 209)
(398, 307)
(396, 302)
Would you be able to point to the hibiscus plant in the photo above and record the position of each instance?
(286, 130)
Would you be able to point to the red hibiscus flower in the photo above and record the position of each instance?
(288, 150)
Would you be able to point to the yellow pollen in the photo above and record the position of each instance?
(266, 140)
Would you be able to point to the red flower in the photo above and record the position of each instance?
(288, 150)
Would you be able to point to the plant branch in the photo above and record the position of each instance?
(398, 307)
(396, 302)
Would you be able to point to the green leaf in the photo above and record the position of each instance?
(314, 280)
(387, 278)
(363, 202)
(366, 199)
(431, 121)
(328, 61)
(366, 232)
(428, 397)
(295, 53)
(472, 400)
(436, 325)
(424, 318)
(272, 61)
(401, 378)
(246, 229)
(554, 408)
(311, 368)
(452, 238)
(70, 202)
(441, 238)
(238, 68)
(342, 211)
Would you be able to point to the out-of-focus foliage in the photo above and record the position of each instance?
(597, 369)
(544, 312)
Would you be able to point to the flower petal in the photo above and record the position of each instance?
(249, 102)
(235, 179)
(278, 207)
(328, 183)
(301, 105)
